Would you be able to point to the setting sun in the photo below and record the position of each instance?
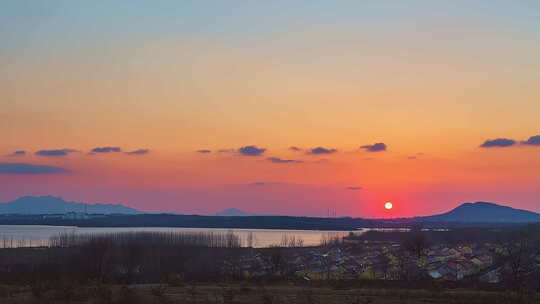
(388, 205)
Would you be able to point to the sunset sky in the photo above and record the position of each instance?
(272, 107)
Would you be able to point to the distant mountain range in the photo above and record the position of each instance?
(56, 205)
(234, 212)
(479, 212)
(483, 212)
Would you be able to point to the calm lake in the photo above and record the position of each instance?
(34, 235)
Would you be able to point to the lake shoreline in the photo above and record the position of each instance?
(12, 236)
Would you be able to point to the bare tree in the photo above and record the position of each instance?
(276, 259)
(384, 263)
(518, 256)
(250, 239)
(417, 244)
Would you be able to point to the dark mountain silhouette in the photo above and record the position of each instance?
(483, 212)
(233, 212)
(56, 205)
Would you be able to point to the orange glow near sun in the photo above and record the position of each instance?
(388, 205)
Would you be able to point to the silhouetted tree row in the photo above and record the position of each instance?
(149, 238)
(126, 258)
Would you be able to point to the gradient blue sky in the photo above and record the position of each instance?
(432, 80)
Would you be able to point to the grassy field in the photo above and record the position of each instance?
(244, 293)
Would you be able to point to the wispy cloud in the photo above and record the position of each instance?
(17, 153)
(58, 152)
(24, 168)
(499, 142)
(263, 183)
(354, 188)
(278, 160)
(321, 150)
(138, 152)
(295, 149)
(204, 151)
(376, 147)
(106, 150)
(251, 151)
(533, 141)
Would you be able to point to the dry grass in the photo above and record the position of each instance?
(243, 293)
